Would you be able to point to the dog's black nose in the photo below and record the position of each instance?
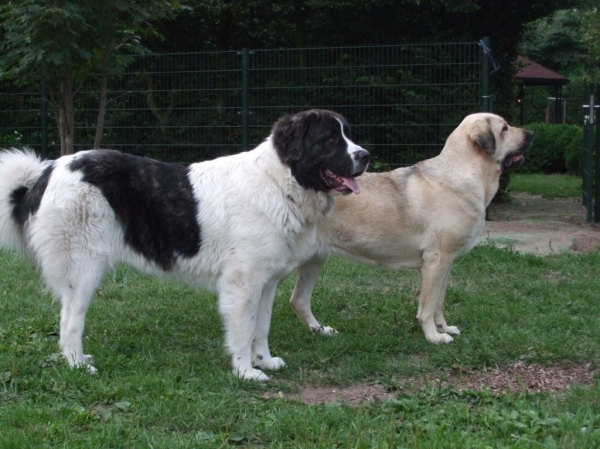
(362, 156)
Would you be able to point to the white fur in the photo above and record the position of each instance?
(353, 149)
(253, 235)
(17, 168)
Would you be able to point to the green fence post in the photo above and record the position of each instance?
(44, 121)
(486, 98)
(486, 105)
(245, 100)
(596, 147)
(588, 153)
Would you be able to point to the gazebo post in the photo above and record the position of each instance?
(521, 95)
(533, 74)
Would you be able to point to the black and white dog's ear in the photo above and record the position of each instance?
(289, 134)
(482, 135)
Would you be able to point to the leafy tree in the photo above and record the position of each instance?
(567, 41)
(64, 41)
(231, 24)
(591, 39)
(557, 41)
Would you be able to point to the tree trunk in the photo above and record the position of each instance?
(101, 110)
(301, 14)
(104, 86)
(60, 125)
(66, 128)
(55, 102)
(163, 118)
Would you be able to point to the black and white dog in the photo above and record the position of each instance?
(236, 225)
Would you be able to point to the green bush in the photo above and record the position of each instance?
(574, 153)
(555, 149)
(10, 139)
(502, 193)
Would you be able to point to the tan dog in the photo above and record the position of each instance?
(423, 216)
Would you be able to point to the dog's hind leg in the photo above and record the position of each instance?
(76, 291)
(307, 275)
(73, 277)
(261, 356)
(434, 278)
(71, 244)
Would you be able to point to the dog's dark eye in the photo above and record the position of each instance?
(504, 128)
(332, 139)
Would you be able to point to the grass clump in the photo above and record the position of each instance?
(548, 186)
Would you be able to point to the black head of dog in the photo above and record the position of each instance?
(316, 145)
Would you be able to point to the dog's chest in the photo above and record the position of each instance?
(294, 250)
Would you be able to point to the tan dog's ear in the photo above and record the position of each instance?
(481, 134)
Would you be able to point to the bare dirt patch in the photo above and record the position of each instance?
(511, 378)
(530, 223)
(352, 395)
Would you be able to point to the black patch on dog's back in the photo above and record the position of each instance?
(153, 200)
(27, 201)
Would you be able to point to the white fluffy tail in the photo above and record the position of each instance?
(18, 169)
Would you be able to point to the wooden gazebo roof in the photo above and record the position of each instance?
(533, 74)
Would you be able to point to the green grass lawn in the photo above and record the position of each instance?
(548, 186)
(165, 382)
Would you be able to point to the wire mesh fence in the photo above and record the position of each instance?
(401, 101)
(177, 107)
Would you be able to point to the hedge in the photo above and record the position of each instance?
(555, 149)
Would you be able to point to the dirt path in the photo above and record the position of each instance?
(533, 224)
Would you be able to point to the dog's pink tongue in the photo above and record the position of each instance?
(352, 184)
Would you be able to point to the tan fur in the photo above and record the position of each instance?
(424, 216)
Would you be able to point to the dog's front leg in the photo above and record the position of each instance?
(238, 305)
(440, 321)
(307, 275)
(261, 356)
(435, 272)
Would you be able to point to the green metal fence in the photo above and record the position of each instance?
(591, 154)
(402, 101)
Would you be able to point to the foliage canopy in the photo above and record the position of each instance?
(63, 41)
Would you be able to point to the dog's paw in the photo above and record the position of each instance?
(451, 330)
(324, 330)
(251, 374)
(271, 363)
(448, 329)
(88, 364)
(439, 338)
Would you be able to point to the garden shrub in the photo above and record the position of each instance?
(10, 139)
(574, 153)
(555, 149)
(502, 193)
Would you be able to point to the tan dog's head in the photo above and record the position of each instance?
(503, 143)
